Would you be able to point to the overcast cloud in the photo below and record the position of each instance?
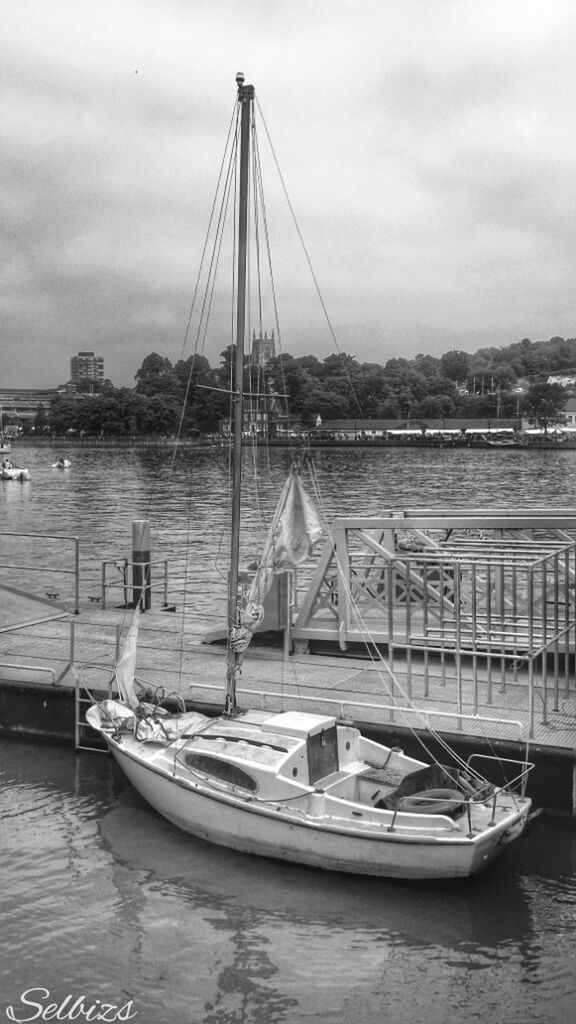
(428, 146)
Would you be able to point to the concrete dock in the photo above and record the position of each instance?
(49, 658)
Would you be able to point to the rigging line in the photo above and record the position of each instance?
(262, 206)
(206, 305)
(224, 191)
(212, 270)
(260, 185)
(209, 296)
(256, 220)
(233, 293)
(215, 257)
(254, 397)
(309, 464)
(187, 558)
(297, 226)
(377, 657)
(207, 235)
(308, 258)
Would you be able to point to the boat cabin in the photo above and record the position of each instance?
(321, 738)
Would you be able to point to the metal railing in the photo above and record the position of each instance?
(125, 581)
(48, 569)
(20, 667)
(426, 714)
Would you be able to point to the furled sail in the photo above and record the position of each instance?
(126, 664)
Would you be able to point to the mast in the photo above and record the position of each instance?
(245, 101)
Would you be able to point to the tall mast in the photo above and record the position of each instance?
(245, 100)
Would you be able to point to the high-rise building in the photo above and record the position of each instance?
(86, 366)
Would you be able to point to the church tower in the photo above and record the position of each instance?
(263, 349)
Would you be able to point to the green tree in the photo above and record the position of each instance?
(64, 414)
(435, 407)
(455, 365)
(429, 367)
(328, 404)
(41, 420)
(370, 390)
(157, 376)
(544, 403)
(203, 395)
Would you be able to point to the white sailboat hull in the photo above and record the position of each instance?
(274, 831)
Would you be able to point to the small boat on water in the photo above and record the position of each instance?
(500, 442)
(293, 785)
(10, 472)
(61, 464)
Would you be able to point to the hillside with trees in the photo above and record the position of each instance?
(191, 397)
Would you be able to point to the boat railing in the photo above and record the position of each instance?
(518, 781)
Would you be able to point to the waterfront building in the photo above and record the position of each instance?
(359, 429)
(20, 406)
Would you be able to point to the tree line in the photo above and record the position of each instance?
(192, 398)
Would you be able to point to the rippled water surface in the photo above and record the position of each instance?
(103, 899)
(184, 496)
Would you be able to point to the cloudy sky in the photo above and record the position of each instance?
(428, 148)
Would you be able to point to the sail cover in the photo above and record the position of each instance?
(295, 529)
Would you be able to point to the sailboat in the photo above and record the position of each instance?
(292, 785)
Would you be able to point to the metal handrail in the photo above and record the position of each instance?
(75, 572)
(341, 704)
(124, 564)
(32, 668)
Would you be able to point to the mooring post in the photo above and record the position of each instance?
(141, 577)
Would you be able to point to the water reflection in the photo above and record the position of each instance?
(106, 897)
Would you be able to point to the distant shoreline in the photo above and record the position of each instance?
(532, 444)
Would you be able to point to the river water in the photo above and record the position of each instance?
(104, 901)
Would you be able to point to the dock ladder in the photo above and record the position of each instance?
(85, 737)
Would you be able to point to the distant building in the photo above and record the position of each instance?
(570, 412)
(263, 349)
(19, 406)
(565, 380)
(86, 366)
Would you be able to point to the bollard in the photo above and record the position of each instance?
(141, 577)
